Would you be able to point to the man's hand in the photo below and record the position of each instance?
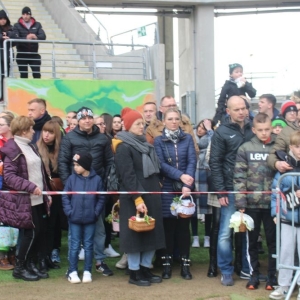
(224, 201)
(275, 220)
(282, 166)
(31, 36)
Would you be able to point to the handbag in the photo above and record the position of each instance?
(177, 185)
(112, 179)
(56, 184)
(8, 236)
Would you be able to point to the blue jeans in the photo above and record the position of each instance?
(137, 259)
(224, 252)
(99, 240)
(81, 233)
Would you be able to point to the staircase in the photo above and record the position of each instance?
(68, 62)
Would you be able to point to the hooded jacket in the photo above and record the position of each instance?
(22, 31)
(83, 209)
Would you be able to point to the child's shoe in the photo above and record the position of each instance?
(73, 277)
(271, 282)
(195, 243)
(253, 283)
(206, 242)
(279, 293)
(87, 277)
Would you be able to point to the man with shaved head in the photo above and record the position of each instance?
(224, 146)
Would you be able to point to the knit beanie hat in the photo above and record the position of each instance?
(84, 112)
(129, 116)
(287, 106)
(234, 66)
(278, 121)
(84, 159)
(26, 10)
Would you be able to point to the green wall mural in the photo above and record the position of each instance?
(63, 95)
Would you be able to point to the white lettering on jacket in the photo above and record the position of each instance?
(259, 156)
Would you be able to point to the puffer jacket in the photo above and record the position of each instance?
(230, 89)
(22, 32)
(252, 173)
(16, 208)
(83, 209)
(184, 154)
(286, 186)
(96, 143)
(224, 146)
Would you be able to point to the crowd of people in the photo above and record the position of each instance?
(151, 151)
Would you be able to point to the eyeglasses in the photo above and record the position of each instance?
(101, 124)
(170, 105)
(3, 124)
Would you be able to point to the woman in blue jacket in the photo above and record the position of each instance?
(177, 155)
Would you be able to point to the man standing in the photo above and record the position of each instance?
(87, 138)
(267, 104)
(224, 146)
(149, 111)
(37, 111)
(27, 28)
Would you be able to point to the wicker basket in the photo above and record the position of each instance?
(191, 205)
(243, 227)
(141, 226)
(115, 216)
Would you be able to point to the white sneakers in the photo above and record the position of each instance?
(73, 277)
(81, 254)
(110, 252)
(123, 262)
(206, 242)
(195, 243)
(279, 293)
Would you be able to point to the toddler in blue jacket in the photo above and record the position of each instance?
(82, 212)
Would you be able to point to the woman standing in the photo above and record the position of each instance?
(24, 172)
(116, 125)
(177, 156)
(138, 169)
(48, 146)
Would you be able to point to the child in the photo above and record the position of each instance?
(252, 173)
(73, 123)
(82, 212)
(236, 86)
(278, 124)
(288, 241)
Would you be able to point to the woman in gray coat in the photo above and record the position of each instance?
(138, 168)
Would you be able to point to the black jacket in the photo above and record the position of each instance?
(224, 146)
(230, 89)
(96, 143)
(22, 33)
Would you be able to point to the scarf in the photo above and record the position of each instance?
(138, 142)
(40, 122)
(172, 135)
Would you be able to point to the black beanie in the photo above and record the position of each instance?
(84, 159)
(3, 14)
(26, 10)
(234, 66)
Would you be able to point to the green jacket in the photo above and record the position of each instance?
(252, 173)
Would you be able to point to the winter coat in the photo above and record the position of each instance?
(83, 209)
(252, 173)
(286, 186)
(38, 126)
(230, 89)
(224, 146)
(184, 154)
(22, 32)
(129, 168)
(16, 208)
(156, 128)
(95, 143)
(282, 142)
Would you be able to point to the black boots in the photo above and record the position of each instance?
(167, 268)
(20, 272)
(149, 276)
(137, 278)
(213, 268)
(33, 269)
(47, 264)
(185, 268)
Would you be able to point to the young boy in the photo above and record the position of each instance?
(252, 173)
(237, 85)
(278, 124)
(82, 212)
(287, 240)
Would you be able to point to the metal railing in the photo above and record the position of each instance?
(96, 64)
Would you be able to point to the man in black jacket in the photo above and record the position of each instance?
(86, 137)
(27, 28)
(224, 146)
